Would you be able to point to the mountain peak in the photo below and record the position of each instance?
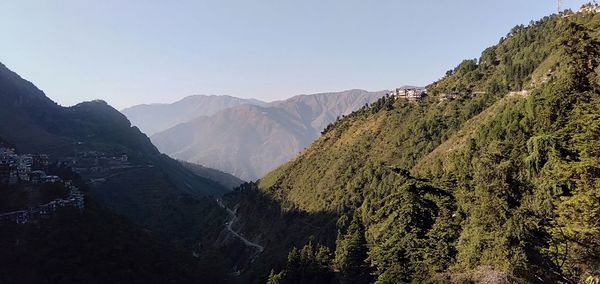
(250, 140)
(154, 118)
(17, 91)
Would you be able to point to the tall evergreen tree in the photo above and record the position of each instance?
(351, 253)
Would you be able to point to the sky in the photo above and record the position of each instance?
(147, 51)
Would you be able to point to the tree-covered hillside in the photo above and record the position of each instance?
(95, 246)
(494, 176)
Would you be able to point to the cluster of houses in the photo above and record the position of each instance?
(412, 94)
(415, 94)
(75, 199)
(95, 162)
(31, 169)
(26, 168)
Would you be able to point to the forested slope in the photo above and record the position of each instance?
(493, 184)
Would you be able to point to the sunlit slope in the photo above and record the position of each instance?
(500, 181)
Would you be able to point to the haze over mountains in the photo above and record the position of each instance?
(250, 140)
(492, 176)
(153, 118)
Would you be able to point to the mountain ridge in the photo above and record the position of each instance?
(33, 123)
(153, 118)
(148, 199)
(250, 140)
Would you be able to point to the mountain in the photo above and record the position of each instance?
(150, 190)
(154, 118)
(225, 179)
(35, 124)
(250, 140)
(491, 178)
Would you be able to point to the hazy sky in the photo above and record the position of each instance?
(130, 52)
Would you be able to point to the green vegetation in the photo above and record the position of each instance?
(495, 184)
(144, 196)
(490, 185)
(308, 265)
(351, 253)
(94, 246)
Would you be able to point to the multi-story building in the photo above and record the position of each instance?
(411, 94)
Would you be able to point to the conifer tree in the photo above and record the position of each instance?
(351, 253)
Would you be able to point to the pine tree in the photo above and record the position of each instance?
(583, 53)
(275, 278)
(351, 253)
(293, 274)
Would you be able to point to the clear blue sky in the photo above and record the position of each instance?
(131, 52)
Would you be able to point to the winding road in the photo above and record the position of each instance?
(232, 218)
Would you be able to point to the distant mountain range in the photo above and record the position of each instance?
(153, 118)
(225, 179)
(251, 139)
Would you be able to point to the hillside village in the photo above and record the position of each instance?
(95, 162)
(16, 168)
(74, 199)
(33, 168)
(30, 172)
(415, 94)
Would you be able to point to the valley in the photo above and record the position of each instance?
(250, 140)
(232, 219)
(489, 174)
